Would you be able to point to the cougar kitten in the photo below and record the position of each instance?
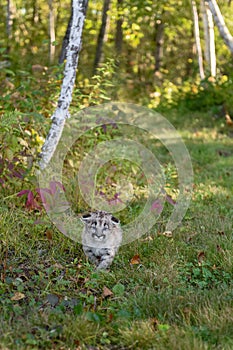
(101, 238)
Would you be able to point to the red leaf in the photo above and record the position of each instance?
(30, 200)
(53, 185)
(170, 200)
(40, 191)
(21, 193)
(157, 205)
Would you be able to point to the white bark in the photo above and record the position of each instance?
(51, 32)
(208, 23)
(220, 23)
(9, 19)
(65, 98)
(197, 38)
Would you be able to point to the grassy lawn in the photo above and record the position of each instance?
(178, 296)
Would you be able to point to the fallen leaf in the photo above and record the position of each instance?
(201, 257)
(110, 317)
(53, 299)
(224, 153)
(166, 234)
(18, 296)
(49, 234)
(219, 249)
(148, 238)
(154, 323)
(135, 260)
(229, 121)
(106, 292)
(187, 312)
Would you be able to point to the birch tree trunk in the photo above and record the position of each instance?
(9, 23)
(65, 98)
(208, 24)
(65, 42)
(220, 23)
(197, 39)
(101, 35)
(51, 32)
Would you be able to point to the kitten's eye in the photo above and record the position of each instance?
(85, 217)
(106, 227)
(115, 220)
(94, 224)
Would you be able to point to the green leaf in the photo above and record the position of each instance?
(78, 309)
(92, 316)
(163, 327)
(123, 314)
(118, 289)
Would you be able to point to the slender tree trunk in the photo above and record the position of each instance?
(65, 98)
(65, 42)
(197, 39)
(208, 24)
(101, 35)
(51, 32)
(35, 13)
(220, 23)
(159, 26)
(119, 32)
(9, 23)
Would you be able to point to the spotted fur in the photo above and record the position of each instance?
(101, 238)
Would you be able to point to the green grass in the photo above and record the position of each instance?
(179, 297)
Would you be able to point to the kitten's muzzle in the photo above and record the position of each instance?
(98, 237)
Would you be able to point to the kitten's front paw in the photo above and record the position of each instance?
(103, 266)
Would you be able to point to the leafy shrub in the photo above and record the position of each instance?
(20, 144)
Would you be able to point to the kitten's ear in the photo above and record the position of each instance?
(85, 218)
(115, 220)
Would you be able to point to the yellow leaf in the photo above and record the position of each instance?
(18, 296)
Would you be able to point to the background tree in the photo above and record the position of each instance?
(219, 20)
(101, 35)
(119, 31)
(197, 39)
(65, 41)
(51, 31)
(9, 23)
(159, 42)
(61, 112)
(209, 36)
